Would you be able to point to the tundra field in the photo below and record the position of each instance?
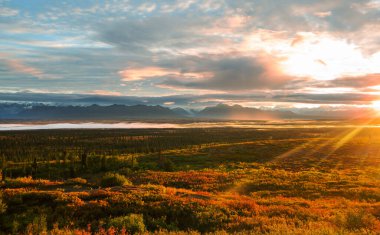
(191, 181)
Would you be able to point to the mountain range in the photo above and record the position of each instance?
(122, 112)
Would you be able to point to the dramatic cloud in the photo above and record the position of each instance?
(239, 73)
(193, 52)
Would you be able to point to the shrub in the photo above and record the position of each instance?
(356, 220)
(28, 182)
(38, 225)
(132, 223)
(114, 179)
(76, 181)
(3, 206)
(167, 165)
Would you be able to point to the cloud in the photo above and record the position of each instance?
(270, 49)
(232, 73)
(18, 66)
(322, 14)
(345, 19)
(297, 40)
(343, 98)
(355, 82)
(310, 55)
(154, 32)
(175, 35)
(309, 15)
(106, 93)
(136, 74)
(6, 12)
(178, 5)
(147, 7)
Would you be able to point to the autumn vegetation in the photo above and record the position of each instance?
(191, 181)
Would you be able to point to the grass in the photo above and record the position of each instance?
(309, 181)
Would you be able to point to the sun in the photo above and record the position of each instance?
(376, 105)
(312, 57)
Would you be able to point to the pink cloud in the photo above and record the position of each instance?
(322, 14)
(106, 93)
(20, 67)
(297, 40)
(136, 74)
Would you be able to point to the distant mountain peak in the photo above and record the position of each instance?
(238, 112)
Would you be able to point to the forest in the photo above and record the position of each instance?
(191, 181)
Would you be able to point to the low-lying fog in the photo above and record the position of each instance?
(148, 125)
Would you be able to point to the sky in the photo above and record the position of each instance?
(194, 53)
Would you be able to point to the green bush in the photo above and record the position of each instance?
(167, 165)
(132, 223)
(114, 179)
